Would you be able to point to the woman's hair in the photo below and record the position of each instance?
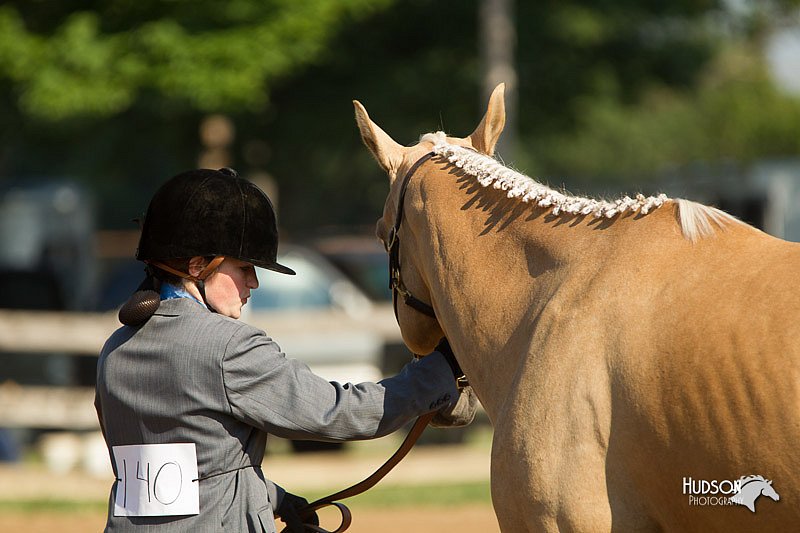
(181, 264)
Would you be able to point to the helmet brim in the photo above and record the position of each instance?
(277, 267)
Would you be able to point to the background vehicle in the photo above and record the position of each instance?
(46, 254)
(364, 261)
(46, 264)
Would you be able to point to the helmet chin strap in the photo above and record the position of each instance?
(201, 287)
(199, 280)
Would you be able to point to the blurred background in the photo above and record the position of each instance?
(102, 101)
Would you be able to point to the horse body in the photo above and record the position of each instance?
(613, 356)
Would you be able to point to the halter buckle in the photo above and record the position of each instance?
(394, 278)
(402, 291)
(392, 239)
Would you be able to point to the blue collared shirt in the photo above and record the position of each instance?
(169, 292)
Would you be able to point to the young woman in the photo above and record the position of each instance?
(187, 394)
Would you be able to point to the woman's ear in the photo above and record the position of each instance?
(196, 265)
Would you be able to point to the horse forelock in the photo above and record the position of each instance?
(436, 137)
(696, 220)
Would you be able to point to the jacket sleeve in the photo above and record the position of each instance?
(275, 494)
(284, 397)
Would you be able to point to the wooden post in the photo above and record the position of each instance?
(498, 42)
(216, 133)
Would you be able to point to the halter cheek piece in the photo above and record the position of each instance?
(393, 247)
(395, 280)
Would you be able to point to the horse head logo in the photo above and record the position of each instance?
(750, 488)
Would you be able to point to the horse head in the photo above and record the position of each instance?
(768, 491)
(420, 331)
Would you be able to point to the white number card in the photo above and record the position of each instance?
(156, 480)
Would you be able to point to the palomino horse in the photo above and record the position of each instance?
(623, 351)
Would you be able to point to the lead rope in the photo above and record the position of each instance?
(366, 484)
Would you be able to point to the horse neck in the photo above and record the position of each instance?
(491, 264)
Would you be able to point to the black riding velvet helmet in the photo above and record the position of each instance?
(211, 213)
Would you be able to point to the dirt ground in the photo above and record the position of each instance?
(297, 473)
(465, 519)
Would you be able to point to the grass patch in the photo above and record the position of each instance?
(391, 496)
(52, 506)
(421, 495)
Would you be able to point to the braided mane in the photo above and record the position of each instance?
(696, 220)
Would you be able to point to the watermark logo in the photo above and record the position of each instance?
(750, 488)
(743, 491)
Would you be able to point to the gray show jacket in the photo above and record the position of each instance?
(189, 375)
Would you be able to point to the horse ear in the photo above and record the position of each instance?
(386, 151)
(485, 136)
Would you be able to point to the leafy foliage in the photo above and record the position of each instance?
(98, 59)
(734, 113)
(113, 91)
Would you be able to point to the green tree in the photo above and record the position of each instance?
(114, 91)
(734, 114)
(77, 58)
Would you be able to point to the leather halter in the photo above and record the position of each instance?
(393, 247)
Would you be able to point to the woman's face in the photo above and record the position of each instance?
(228, 289)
